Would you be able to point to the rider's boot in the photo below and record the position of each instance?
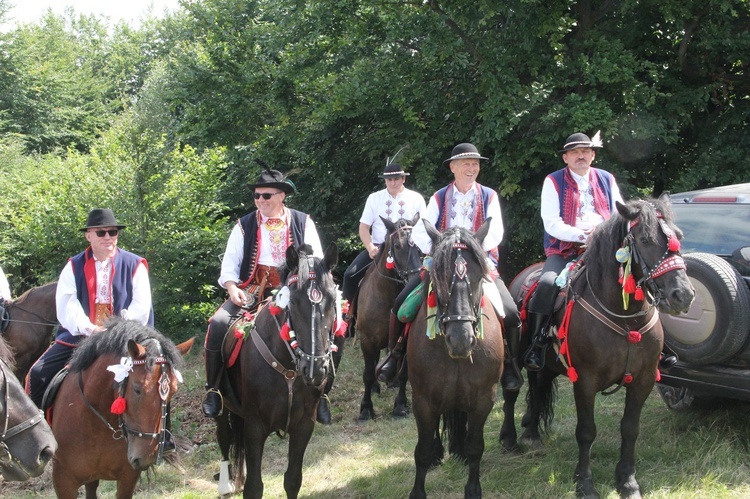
(534, 358)
(668, 358)
(212, 402)
(396, 347)
(512, 379)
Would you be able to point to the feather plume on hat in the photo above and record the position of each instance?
(596, 141)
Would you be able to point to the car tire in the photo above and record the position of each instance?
(718, 323)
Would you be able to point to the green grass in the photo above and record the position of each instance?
(697, 454)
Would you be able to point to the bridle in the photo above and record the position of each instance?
(403, 274)
(299, 356)
(123, 430)
(460, 273)
(5, 455)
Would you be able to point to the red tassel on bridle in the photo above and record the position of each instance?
(674, 244)
(119, 405)
(431, 300)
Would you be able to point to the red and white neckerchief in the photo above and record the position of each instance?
(276, 228)
(103, 281)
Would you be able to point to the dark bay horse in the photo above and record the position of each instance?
(605, 342)
(33, 319)
(26, 440)
(397, 260)
(281, 373)
(454, 374)
(113, 430)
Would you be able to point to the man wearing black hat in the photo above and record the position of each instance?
(100, 282)
(463, 203)
(255, 249)
(575, 200)
(392, 203)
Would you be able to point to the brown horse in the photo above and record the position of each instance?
(33, 319)
(281, 373)
(380, 286)
(107, 432)
(26, 440)
(454, 374)
(606, 342)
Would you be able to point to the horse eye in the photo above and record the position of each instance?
(137, 389)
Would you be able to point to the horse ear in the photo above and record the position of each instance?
(431, 231)
(482, 231)
(390, 226)
(626, 211)
(185, 346)
(135, 350)
(331, 257)
(415, 219)
(292, 257)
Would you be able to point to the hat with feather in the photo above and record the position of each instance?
(581, 140)
(393, 170)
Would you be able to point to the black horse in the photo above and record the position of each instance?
(605, 341)
(281, 373)
(26, 440)
(454, 374)
(397, 260)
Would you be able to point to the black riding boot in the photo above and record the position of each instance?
(396, 346)
(213, 403)
(534, 358)
(668, 358)
(324, 406)
(512, 379)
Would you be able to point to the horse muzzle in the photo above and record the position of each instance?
(459, 339)
(314, 370)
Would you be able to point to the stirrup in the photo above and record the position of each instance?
(205, 403)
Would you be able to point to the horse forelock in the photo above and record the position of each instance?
(442, 258)
(114, 341)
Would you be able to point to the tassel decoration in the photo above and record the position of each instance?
(274, 309)
(627, 379)
(634, 337)
(284, 333)
(658, 375)
(572, 374)
(638, 294)
(432, 300)
(119, 405)
(674, 244)
(390, 264)
(629, 286)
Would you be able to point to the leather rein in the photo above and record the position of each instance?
(5, 455)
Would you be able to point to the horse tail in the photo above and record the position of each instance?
(455, 426)
(237, 448)
(541, 397)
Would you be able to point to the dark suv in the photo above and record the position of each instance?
(712, 340)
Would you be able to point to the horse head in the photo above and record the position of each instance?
(654, 241)
(459, 265)
(310, 310)
(399, 251)
(145, 382)
(26, 440)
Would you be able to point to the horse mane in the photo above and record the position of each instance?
(115, 341)
(608, 236)
(6, 354)
(442, 261)
(324, 277)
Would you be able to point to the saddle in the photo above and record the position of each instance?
(239, 330)
(51, 392)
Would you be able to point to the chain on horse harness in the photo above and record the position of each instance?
(391, 262)
(298, 355)
(670, 260)
(164, 388)
(460, 273)
(5, 455)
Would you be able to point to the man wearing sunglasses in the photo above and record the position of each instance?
(255, 249)
(98, 283)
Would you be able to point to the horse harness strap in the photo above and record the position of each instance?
(5, 455)
(290, 375)
(96, 413)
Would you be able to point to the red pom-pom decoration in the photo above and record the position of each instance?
(285, 332)
(432, 300)
(627, 379)
(572, 374)
(629, 286)
(638, 294)
(674, 244)
(119, 405)
(390, 264)
(274, 309)
(634, 336)
(564, 348)
(658, 375)
(239, 333)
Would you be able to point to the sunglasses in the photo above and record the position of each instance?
(265, 195)
(102, 233)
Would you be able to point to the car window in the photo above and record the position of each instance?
(720, 229)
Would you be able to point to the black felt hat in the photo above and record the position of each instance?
(393, 170)
(464, 150)
(274, 178)
(101, 217)
(581, 140)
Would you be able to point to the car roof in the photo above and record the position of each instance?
(737, 193)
